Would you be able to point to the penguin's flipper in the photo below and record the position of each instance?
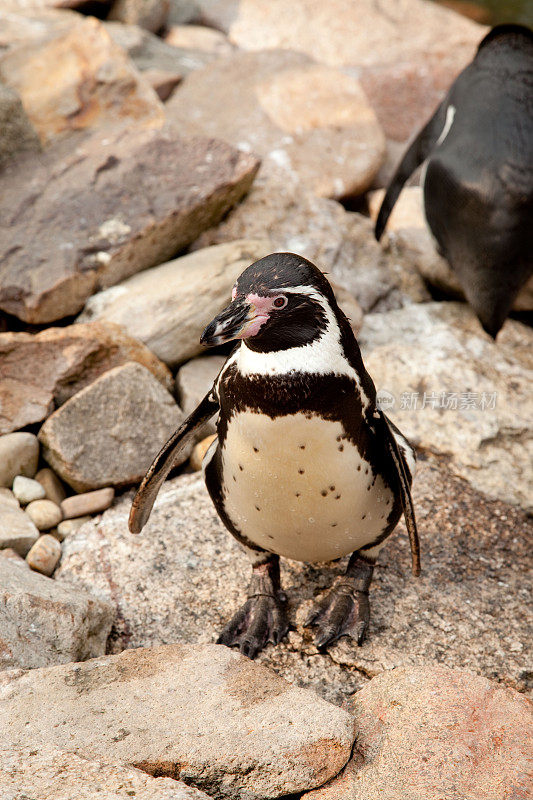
(417, 152)
(166, 459)
(405, 494)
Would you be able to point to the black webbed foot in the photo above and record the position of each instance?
(263, 618)
(345, 609)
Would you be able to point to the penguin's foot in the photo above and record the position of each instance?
(345, 609)
(263, 618)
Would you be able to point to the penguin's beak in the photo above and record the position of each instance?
(237, 321)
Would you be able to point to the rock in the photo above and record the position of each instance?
(16, 131)
(44, 514)
(405, 52)
(45, 623)
(408, 234)
(44, 555)
(8, 498)
(457, 393)
(184, 576)
(182, 12)
(193, 381)
(149, 52)
(163, 83)
(149, 14)
(17, 530)
(68, 526)
(89, 503)
(54, 489)
(93, 81)
(436, 732)
(19, 454)
(309, 122)
(340, 243)
(168, 306)
(27, 489)
(228, 722)
(197, 37)
(109, 433)
(33, 774)
(349, 305)
(117, 204)
(41, 371)
(199, 451)
(11, 555)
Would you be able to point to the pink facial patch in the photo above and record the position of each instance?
(261, 307)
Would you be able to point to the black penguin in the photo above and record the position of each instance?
(478, 183)
(304, 465)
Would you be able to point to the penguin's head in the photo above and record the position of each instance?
(279, 302)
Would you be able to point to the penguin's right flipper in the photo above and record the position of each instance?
(417, 152)
(167, 457)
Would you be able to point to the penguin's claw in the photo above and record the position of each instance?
(340, 613)
(262, 619)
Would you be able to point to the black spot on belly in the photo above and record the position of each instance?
(301, 471)
(341, 447)
(241, 467)
(332, 488)
(333, 524)
(324, 492)
(366, 471)
(235, 479)
(256, 450)
(270, 537)
(337, 497)
(302, 447)
(297, 494)
(359, 468)
(364, 515)
(257, 508)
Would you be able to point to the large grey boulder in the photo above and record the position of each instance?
(43, 622)
(193, 381)
(168, 307)
(453, 391)
(16, 131)
(185, 575)
(63, 776)
(79, 219)
(109, 433)
(201, 713)
(435, 732)
(310, 122)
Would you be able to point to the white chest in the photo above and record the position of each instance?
(296, 487)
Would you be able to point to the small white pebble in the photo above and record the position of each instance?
(44, 555)
(44, 514)
(27, 489)
(69, 526)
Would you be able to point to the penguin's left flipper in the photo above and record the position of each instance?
(404, 484)
(165, 460)
(417, 152)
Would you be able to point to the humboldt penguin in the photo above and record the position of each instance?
(478, 177)
(304, 465)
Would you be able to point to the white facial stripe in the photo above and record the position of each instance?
(323, 356)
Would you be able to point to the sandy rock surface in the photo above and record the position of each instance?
(44, 623)
(201, 713)
(184, 576)
(456, 392)
(120, 202)
(63, 776)
(109, 433)
(436, 732)
(311, 122)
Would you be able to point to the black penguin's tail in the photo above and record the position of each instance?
(417, 152)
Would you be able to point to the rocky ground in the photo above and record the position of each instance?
(148, 154)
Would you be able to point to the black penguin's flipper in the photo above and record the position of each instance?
(417, 152)
(165, 460)
(405, 494)
(263, 618)
(345, 609)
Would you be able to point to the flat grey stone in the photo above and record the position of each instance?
(19, 454)
(16, 528)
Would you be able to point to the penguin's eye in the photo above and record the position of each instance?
(280, 302)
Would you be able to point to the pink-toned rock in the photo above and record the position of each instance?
(44, 555)
(309, 122)
(197, 37)
(92, 81)
(75, 220)
(79, 505)
(435, 732)
(40, 372)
